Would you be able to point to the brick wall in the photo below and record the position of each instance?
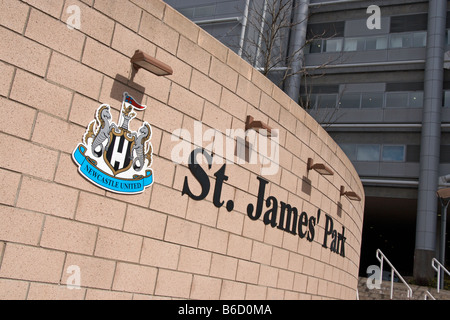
(158, 244)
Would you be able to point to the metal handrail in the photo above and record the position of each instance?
(438, 270)
(381, 257)
(428, 294)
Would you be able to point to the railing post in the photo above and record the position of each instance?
(438, 266)
(380, 256)
(381, 264)
(392, 283)
(439, 279)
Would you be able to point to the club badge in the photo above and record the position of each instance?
(113, 157)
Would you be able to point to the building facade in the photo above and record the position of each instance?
(368, 75)
(140, 158)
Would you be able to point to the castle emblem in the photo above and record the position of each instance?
(113, 157)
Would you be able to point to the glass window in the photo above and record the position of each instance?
(351, 45)
(354, 44)
(394, 153)
(332, 45)
(372, 100)
(350, 100)
(396, 41)
(316, 46)
(188, 12)
(327, 101)
(349, 150)
(377, 43)
(396, 99)
(420, 39)
(368, 152)
(416, 99)
(307, 48)
(401, 41)
(205, 11)
(308, 101)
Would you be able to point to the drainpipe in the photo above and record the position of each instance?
(261, 30)
(244, 28)
(430, 143)
(298, 40)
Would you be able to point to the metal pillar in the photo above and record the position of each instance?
(244, 28)
(430, 142)
(298, 40)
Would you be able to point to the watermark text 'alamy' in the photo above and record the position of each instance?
(236, 146)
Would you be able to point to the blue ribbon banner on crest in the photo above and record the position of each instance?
(88, 168)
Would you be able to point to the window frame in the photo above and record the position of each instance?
(383, 146)
(366, 145)
(381, 150)
(408, 99)
(444, 99)
(412, 35)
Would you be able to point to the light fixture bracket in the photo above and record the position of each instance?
(258, 126)
(351, 195)
(319, 167)
(141, 60)
(443, 194)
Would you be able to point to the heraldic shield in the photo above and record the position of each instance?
(114, 157)
(119, 154)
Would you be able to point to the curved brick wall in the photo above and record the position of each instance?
(160, 243)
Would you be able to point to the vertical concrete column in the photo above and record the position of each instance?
(298, 40)
(430, 142)
(244, 28)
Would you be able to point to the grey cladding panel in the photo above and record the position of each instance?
(357, 28)
(326, 30)
(363, 87)
(404, 86)
(332, 88)
(411, 22)
(370, 169)
(445, 154)
(413, 153)
(402, 115)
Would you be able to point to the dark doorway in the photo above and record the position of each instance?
(389, 225)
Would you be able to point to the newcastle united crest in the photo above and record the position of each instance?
(114, 157)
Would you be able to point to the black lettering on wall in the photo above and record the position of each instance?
(283, 216)
(199, 174)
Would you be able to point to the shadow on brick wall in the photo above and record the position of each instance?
(122, 84)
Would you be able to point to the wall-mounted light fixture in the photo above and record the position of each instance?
(245, 147)
(143, 60)
(350, 194)
(319, 167)
(444, 194)
(258, 126)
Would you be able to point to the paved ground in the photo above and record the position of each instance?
(399, 292)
